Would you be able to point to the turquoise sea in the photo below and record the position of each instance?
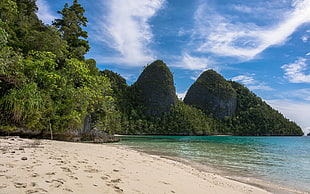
(283, 161)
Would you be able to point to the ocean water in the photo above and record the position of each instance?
(282, 161)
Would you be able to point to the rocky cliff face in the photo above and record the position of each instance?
(213, 94)
(155, 87)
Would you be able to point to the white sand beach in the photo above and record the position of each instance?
(44, 166)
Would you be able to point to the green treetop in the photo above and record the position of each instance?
(70, 25)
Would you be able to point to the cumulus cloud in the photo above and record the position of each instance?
(44, 12)
(220, 35)
(296, 72)
(125, 28)
(251, 83)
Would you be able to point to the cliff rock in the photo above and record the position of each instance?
(155, 87)
(213, 94)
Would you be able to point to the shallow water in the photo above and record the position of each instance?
(281, 160)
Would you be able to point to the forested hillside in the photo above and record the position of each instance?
(255, 117)
(212, 94)
(46, 85)
(213, 106)
(49, 90)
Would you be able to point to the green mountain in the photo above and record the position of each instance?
(155, 87)
(253, 116)
(212, 105)
(237, 109)
(213, 94)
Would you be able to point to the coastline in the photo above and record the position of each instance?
(266, 185)
(44, 166)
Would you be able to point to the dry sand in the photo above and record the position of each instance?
(43, 166)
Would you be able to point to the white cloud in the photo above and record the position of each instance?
(293, 110)
(196, 75)
(125, 28)
(181, 32)
(195, 63)
(305, 38)
(244, 79)
(303, 94)
(260, 86)
(222, 36)
(300, 94)
(44, 13)
(243, 8)
(295, 72)
(181, 95)
(129, 76)
(251, 83)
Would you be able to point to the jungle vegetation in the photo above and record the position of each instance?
(47, 84)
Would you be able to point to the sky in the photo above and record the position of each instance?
(263, 44)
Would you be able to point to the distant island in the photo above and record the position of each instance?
(49, 90)
(212, 106)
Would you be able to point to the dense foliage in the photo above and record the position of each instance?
(42, 86)
(46, 85)
(255, 117)
(251, 117)
(155, 88)
(212, 94)
(70, 26)
(216, 84)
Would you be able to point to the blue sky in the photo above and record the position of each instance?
(263, 44)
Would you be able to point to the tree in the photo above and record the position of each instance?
(3, 35)
(70, 25)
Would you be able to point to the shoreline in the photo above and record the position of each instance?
(45, 166)
(264, 184)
